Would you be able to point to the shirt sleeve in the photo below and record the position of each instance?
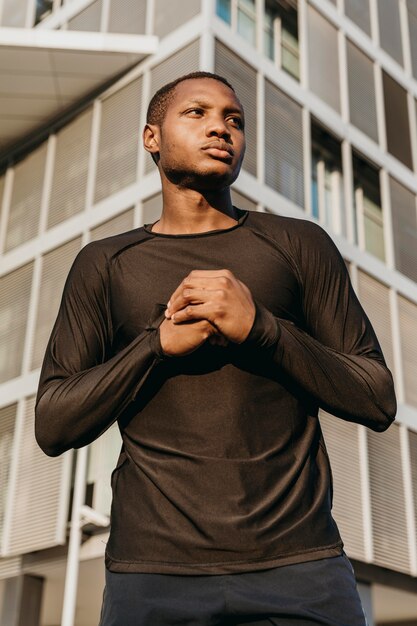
(336, 358)
(82, 389)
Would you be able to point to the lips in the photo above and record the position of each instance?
(222, 146)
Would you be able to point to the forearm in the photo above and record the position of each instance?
(358, 388)
(71, 411)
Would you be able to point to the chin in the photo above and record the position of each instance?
(218, 176)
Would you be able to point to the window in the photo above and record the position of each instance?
(323, 58)
(280, 28)
(243, 78)
(224, 10)
(369, 226)
(69, 182)
(283, 144)
(390, 28)
(358, 12)
(25, 205)
(43, 9)
(327, 180)
(118, 144)
(390, 540)
(246, 20)
(404, 226)
(7, 422)
(362, 101)
(240, 15)
(412, 26)
(14, 304)
(55, 267)
(281, 36)
(396, 120)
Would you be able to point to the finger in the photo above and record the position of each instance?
(190, 296)
(201, 279)
(193, 312)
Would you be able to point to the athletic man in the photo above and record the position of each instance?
(213, 336)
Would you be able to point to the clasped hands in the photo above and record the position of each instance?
(208, 304)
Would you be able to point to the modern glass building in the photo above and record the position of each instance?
(330, 93)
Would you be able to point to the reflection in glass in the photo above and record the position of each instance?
(369, 224)
(43, 9)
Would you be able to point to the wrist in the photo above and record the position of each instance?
(265, 330)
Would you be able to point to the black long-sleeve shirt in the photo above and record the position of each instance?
(223, 467)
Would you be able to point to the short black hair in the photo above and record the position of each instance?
(159, 103)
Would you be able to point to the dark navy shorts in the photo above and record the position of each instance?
(316, 592)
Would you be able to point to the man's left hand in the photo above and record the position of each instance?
(217, 296)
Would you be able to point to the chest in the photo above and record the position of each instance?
(149, 273)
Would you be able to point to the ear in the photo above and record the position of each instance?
(150, 138)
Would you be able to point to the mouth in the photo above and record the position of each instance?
(219, 149)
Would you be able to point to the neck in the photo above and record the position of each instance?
(187, 211)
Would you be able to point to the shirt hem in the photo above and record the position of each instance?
(160, 567)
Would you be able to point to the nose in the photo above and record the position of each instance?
(216, 127)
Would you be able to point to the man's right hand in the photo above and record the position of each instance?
(181, 339)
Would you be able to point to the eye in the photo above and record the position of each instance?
(237, 121)
(196, 110)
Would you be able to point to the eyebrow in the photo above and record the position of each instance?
(204, 103)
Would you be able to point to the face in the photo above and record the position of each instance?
(201, 142)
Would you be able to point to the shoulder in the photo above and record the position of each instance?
(91, 263)
(290, 230)
(101, 252)
(304, 241)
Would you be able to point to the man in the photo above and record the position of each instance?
(213, 336)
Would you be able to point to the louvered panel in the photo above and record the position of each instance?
(14, 304)
(323, 58)
(358, 12)
(42, 482)
(412, 29)
(127, 16)
(342, 443)
(55, 268)
(182, 62)
(70, 170)
(7, 422)
(412, 439)
(362, 101)
(170, 15)
(119, 224)
(119, 140)
(407, 312)
(10, 567)
(388, 500)
(1, 193)
(374, 298)
(283, 145)
(404, 223)
(13, 13)
(242, 202)
(152, 209)
(89, 19)
(103, 457)
(390, 29)
(26, 199)
(243, 79)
